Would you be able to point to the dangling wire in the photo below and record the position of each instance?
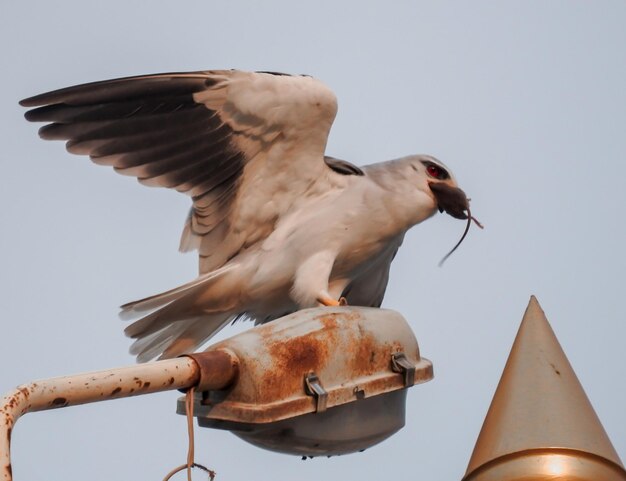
(190, 452)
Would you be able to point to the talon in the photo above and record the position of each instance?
(328, 302)
(343, 301)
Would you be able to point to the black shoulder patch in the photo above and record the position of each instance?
(274, 73)
(342, 166)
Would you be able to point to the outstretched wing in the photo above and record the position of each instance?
(245, 146)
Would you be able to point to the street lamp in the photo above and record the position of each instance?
(318, 382)
(321, 381)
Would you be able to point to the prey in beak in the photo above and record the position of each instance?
(453, 201)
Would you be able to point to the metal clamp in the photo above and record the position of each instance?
(314, 388)
(400, 363)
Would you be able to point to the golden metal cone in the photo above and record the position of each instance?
(541, 425)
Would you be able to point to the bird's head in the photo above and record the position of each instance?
(447, 195)
(439, 184)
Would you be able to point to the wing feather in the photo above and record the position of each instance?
(245, 146)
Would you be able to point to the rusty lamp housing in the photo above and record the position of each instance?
(322, 381)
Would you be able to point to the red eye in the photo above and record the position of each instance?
(436, 172)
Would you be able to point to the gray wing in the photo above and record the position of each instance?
(368, 288)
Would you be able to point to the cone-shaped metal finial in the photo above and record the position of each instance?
(541, 424)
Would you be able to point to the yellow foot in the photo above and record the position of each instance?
(328, 301)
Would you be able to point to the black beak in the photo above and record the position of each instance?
(452, 200)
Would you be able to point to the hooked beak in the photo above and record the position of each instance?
(452, 200)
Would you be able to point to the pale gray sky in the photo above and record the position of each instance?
(525, 101)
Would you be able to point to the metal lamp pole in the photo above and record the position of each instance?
(205, 371)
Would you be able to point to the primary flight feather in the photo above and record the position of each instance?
(278, 225)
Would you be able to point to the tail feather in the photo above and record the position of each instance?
(196, 333)
(182, 319)
(150, 347)
(157, 340)
(131, 310)
(172, 313)
(180, 338)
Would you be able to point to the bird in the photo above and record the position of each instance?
(278, 225)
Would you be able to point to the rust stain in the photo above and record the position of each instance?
(365, 359)
(292, 360)
(115, 391)
(329, 321)
(214, 369)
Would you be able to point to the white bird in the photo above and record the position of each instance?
(278, 225)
